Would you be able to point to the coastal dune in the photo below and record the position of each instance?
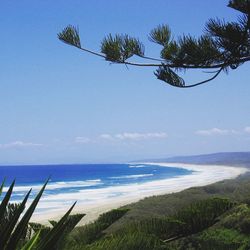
(94, 202)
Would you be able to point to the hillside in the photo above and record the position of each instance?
(226, 158)
(215, 217)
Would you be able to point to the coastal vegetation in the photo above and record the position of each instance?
(17, 233)
(216, 216)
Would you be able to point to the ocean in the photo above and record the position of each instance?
(86, 183)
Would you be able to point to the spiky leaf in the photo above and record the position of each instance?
(24, 221)
(1, 187)
(32, 242)
(5, 200)
(51, 239)
(8, 228)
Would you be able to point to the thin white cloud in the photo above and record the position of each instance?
(140, 136)
(218, 131)
(20, 144)
(133, 136)
(82, 140)
(247, 129)
(214, 131)
(106, 136)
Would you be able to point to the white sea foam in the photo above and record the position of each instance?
(138, 166)
(134, 176)
(89, 200)
(57, 185)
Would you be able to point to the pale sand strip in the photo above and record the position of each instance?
(103, 202)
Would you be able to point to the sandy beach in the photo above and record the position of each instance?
(105, 199)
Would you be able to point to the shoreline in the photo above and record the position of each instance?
(202, 175)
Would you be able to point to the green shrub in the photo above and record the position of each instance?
(163, 228)
(112, 216)
(130, 241)
(227, 239)
(89, 233)
(202, 214)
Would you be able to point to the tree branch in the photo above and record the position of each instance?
(200, 83)
(215, 66)
(223, 46)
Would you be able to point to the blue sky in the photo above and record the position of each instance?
(59, 105)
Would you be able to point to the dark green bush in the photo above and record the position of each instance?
(239, 219)
(163, 228)
(202, 214)
(89, 233)
(130, 241)
(223, 239)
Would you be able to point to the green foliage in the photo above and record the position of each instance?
(172, 232)
(119, 48)
(197, 52)
(166, 74)
(31, 244)
(8, 216)
(240, 5)
(71, 222)
(169, 51)
(192, 222)
(93, 231)
(85, 235)
(6, 199)
(163, 228)
(70, 36)
(15, 232)
(52, 238)
(1, 187)
(238, 219)
(38, 228)
(22, 225)
(223, 239)
(182, 221)
(201, 215)
(112, 216)
(130, 241)
(161, 35)
(222, 46)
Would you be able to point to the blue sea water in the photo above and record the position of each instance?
(79, 180)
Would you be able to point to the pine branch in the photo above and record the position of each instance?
(223, 46)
